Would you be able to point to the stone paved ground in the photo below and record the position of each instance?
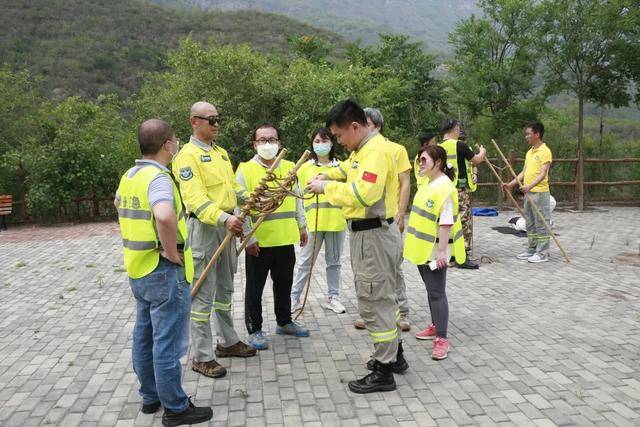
(547, 344)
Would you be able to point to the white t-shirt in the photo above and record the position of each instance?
(446, 218)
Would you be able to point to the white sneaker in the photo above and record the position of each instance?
(538, 258)
(333, 304)
(296, 306)
(525, 255)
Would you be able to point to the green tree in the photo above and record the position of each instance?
(309, 47)
(244, 85)
(494, 64)
(580, 41)
(403, 87)
(84, 149)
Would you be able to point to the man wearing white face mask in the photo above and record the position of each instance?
(271, 249)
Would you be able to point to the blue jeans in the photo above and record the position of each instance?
(161, 334)
(333, 242)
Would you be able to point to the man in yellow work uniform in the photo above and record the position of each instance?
(271, 250)
(204, 172)
(367, 205)
(158, 261)
(463, 159)
(375, 123)
(535, 180)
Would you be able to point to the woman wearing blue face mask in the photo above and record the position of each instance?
(331, 225)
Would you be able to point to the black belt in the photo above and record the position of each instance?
(368, 223)
(179, 246)
(192, 215)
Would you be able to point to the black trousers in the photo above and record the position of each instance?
(280, 261)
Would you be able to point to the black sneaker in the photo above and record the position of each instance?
(150, 408)
(380, 379)
(468, 264)
(192, 415)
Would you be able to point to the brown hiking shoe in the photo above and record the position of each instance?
(211, 369)
(359, 324)
(239, 349)
(404, 324)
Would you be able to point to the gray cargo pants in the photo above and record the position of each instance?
(401, 287)
(536, 231)
(216, 293)
(373, 261)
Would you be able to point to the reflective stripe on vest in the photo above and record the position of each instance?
(423, 227)
(139, 237)
(275, 215)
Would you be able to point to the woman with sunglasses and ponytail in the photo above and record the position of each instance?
(434, 235)
(331, 225)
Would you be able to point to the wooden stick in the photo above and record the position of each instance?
(230, 234)
(501, 183)
(536, 209)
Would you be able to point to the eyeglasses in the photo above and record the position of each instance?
(264, 141)
(177, 141)
(213, 120)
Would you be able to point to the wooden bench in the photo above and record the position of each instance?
(6, 207)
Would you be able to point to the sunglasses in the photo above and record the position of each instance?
(213, 120)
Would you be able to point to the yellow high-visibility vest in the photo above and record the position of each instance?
(330, 217)
(422, 229)
(137, 225)
(451, 147)
(279, 228)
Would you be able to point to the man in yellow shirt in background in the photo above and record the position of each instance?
(535, 179)
(207, 184)
(400, 197)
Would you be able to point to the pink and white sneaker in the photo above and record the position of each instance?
(427, 334)
(440, 349)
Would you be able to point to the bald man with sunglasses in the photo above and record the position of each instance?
(207, 183)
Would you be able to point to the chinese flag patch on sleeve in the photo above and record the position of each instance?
(369, 177)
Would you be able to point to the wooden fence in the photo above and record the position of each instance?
(95, 206)
(506, 176)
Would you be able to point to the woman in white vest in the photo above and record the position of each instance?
(434, 235)
(331, 225)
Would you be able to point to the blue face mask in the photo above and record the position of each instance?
(321, 149)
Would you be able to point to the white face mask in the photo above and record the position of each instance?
(267, 151)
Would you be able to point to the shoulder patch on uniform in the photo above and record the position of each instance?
(205, 158)
(430, 203)
(369, 177)
(186, 174)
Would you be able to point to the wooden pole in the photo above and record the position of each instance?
(536, 209)
(230, 234)
(501, 184)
